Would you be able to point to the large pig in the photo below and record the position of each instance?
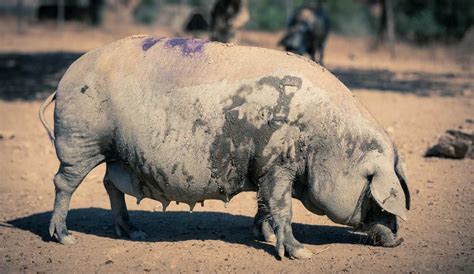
(186, 120)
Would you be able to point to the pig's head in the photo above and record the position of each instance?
(358, 180)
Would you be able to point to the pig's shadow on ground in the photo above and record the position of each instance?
(182, 226)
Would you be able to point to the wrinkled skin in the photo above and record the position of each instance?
(175, 123)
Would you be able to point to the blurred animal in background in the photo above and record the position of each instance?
(198, 21)
(121, 12)
(84, 11)
(308, 29)
(226, 17)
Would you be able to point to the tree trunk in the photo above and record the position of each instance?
(289, 9)
(19, 16)
(61, 12)
(390, 27)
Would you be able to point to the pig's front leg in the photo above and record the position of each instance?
(262, 224)
(274, 194)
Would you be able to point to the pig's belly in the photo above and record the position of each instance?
(165, 188)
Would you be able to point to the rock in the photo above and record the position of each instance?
(455, 143)
(6, 135)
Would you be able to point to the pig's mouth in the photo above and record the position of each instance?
(380, 226)
(381, 235)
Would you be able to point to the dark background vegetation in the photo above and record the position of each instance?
(419, 21)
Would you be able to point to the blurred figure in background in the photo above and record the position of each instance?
(308, 29)
(90, 11)
(226, 17)
(121, 11)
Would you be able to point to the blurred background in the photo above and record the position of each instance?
(369, 34)
(415, 20)
(410, 62)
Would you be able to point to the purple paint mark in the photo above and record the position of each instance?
(188, 46)
(150, 42)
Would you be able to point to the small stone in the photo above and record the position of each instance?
(455, 143)
(6, 135)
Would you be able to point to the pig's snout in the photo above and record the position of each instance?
(382, 235)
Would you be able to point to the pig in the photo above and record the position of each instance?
(226, 17)
(186, 120)
(307, 32)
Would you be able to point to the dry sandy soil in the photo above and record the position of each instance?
(415, 97)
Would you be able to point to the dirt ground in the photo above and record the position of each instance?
(416, 97)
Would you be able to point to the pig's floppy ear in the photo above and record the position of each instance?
(390, 190)
(388, 193)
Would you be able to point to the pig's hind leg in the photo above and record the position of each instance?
(123, 225)
(77, 160)
(274, 193)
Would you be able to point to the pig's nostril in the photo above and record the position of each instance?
(395, 229)
(382, 235)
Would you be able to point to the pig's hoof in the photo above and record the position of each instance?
(270, 238)
(130, 232)
(67, 240)
(58, 230)
(138, 235)
(301, 253)
(264, 233)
